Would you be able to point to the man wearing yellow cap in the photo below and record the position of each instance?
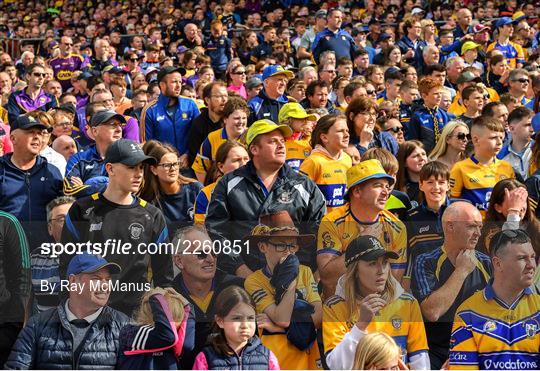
(368, 189)
(469, 53)
(265, 185)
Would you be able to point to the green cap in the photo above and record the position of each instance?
(265, 126)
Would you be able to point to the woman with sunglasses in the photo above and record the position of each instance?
(509, 209)
(236, 78)
(452, 145)
(369, 299)
(361, 119)
(166, 188)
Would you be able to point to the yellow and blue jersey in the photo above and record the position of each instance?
(208, 150)
(491, 335)
(201, 203)
(258, 285)
(401, 319)
(474, 182)
(297, 151)
(330, 175)
(339, 227)
(511, 51)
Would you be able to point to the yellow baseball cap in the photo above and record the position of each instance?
(469, 45)
(363, 171)
(265, 126)
(294, 110)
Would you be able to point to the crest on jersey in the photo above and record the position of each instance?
(285, 197)
(135, 230)
(396, 323)
(490, 326)
(531, 328)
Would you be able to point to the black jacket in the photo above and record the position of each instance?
(201, 126)
(46, 342)
(239, 200)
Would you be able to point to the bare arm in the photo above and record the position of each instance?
(331, 267)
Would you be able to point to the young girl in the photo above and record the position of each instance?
(164, 330)
(368, 299)
(328, 163)
(165, 187)
(233, 344)
(378, 351)
(230, 156)
(411, 157)
(297, 145)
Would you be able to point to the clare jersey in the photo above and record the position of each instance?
(401, 319)
(289, 356)
(201, 203)
(208, 150)
(297, 151)
(329, 174)
(512, 52)
(488, 334)
(340, 227)
(474, 182)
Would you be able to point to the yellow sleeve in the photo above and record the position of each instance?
(334, 330)
(490, 47)
(259, 291)
(310, 168)
(416, 338)
(463, 349)
(400, 246)
(456, 181)
(520, 58)
(328, 238)
(200, 165)
(312, 294)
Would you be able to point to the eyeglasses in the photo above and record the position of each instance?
(65, 124)
(113, 124)
(38, 74)
(506, 235)
(462, 136)
(170, 165)
(395, 129)
(522, 80)
(282, 247)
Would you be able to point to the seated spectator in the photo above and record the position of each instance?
(118, 91)
(445, 277)
(298, 145)
(93, 328)
(54, 158)
(164, 186)
(233, 341)
(378, 351)
(411, 158)
(368, 299)
(65, 145)
(199, 282)
(452, 145)
(285, 292)
(473, 342)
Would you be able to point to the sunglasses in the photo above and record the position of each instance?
(462, 136)
(37, 74)
(505, 236)
(522, 80)
(203, 255)
(134, 59)
(239, 73)
(395, 129)
(370, 92)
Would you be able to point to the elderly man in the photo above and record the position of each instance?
(445, 277)
(82, 332)
(263, 186)
(191, 38)
(518, 83)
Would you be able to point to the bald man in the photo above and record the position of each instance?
(445, 277)
(65, 145)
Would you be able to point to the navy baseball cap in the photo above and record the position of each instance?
(126, 152)
(89, 263)
(101, 117)
(28, 122)
(168, 70)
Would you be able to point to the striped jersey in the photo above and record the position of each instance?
(201, 203)
(492, 335)
(297, 151)
(512, 51)
(208, 150)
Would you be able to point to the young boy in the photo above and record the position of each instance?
(473, 179)
(392, 84)
(281, 288)
(297, 145)
(473, 100)
(408, 91)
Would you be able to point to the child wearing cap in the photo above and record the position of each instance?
(369, 299)
(328, 163)
(288, 305)
(512, 51)
(298, 144)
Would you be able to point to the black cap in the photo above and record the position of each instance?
(85, 75)
(28, 122)
(68, 107)
(168, 70)
(367, 248)
(127, 152)
(101, 117)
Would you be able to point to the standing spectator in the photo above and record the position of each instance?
(271, 98)
(333, 38)
(464, 23)
(117, 214)
(378, 351)
(264, 185)
(510, 291)
(15, 282)
(473, 100)
(411, 158)
(452, 145)
(512, 51)
(306, 41)
(101, 58)
(236, 79)
(169, 119)
(66, 63)
(31, 98)
(65, 145)
(445, 277)
(81, 332)
(218, 48)
(317, 96)
(265, 48)
(410, 43)
(518, 84)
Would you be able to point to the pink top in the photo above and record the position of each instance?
(201, 364)
(240, 90)
(7, 146)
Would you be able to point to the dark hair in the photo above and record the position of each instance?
(343, 61)
(519, 113)
(435, 169)
(503, 239)
(323, 126)
(207, 91)
(489, 108)
(405, 150)
(221, 156)
(93, 81)
(32, 67)
(225, 302)
(469, 90)
(437, 67)
(310, 90)
(351, 87)
(234, 104)
(356, 106)
(496, 59)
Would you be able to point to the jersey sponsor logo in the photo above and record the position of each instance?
(424, 229)
(95, 226)
(135, 230)
(474, 180)
(510, 365)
